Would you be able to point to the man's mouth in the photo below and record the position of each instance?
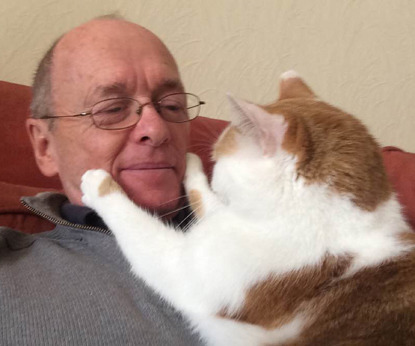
(145, 166)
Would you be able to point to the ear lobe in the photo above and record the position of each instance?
(253, 120)
(292, 86)
(40, 137)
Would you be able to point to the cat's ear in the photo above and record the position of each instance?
(252, 120)
(292, 86)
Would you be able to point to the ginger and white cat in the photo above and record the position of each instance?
(299, 240)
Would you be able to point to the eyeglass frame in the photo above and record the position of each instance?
(138, 111)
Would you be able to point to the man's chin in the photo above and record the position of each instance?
(165, 206)
(160, 196)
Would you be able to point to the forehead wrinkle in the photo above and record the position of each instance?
(94, 45)
(169, 85)
(119, 89)
(113, 89)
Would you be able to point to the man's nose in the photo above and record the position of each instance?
(152, 129)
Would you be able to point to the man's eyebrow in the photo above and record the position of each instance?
(111, 90)
(169, 85)
(120, 89)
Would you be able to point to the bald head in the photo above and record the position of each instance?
(102, 51)
(104, 29)
(101, 36)
(66, 57)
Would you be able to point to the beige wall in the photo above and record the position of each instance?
(357, 54)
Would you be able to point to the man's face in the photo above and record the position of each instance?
(118, 60)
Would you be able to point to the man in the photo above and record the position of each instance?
(107, 95)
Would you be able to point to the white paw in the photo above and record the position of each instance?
(91, 185)
(193, 164)
(194, 173)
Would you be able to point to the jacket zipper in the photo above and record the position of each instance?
(63, 222)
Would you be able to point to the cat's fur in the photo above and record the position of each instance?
(300, 240)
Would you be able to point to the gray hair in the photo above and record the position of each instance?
(42, 101)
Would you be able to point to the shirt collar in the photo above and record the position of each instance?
(88, 217)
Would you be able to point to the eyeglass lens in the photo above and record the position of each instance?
(118, 113)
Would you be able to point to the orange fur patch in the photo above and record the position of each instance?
(407, 238)
(108, 185)
(375, 306)
(275, 301)
(195, 200)
(227, 144)
(334, 148)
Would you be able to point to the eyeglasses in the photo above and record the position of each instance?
(123, 112)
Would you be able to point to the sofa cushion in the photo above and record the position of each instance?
(17, 162)
(400, 167)
(15, 215)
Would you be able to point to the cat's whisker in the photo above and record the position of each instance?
(191, 223)
(194, 220)
(191, 214)
(172, 200)
(174, 210)
(195, 208)
(181, 208)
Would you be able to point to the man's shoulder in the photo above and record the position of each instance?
(13, 240)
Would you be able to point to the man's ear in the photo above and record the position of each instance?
(41, 138)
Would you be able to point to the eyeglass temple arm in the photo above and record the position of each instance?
(66, 116)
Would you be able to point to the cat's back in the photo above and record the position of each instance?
(375, 306)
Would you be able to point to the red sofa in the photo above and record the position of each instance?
(19, 175)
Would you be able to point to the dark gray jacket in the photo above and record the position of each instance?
(72, 286)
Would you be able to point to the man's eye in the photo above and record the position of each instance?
(172, 107)
(113, 110)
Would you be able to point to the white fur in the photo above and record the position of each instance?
(241, 243)
(261, 220)
(225, 332)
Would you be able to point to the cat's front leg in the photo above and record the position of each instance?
(153, 248)
(96, 184)
(201, 198)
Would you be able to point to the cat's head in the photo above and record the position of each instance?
(298, 139)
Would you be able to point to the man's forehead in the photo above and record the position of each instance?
(104, 53)
(122, 89)
(102, 36)
(106, 30)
